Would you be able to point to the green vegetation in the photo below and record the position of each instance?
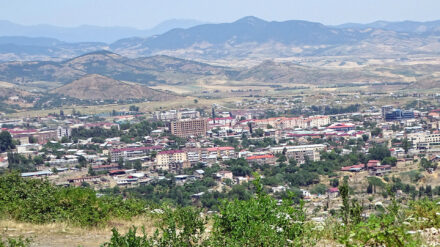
(14, 242)
(38, 201)
(179, 227)
(262, 221)
(258, 220)
(6, 142)
(22, 163)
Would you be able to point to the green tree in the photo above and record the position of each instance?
(91, 172)
(82, 161)
(64, 139)
(406, 144)
(134, 108)
(259, 221)
(137, 165)
(6, 142)
(389, 161)
(376, 131)
(426, 164)
(379, 152)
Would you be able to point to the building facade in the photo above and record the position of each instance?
(189, 127)
(301, 153)
(127, 153)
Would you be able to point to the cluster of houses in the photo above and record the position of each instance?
(300, 138)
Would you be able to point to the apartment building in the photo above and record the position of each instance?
(175, 115)
(171, 156)
(63, 132)
(301, 153)
(189, 127)
(294, 122)
(429, 142)
(132, 152)
(210, 154)
(317, 121)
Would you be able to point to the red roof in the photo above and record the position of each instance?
(265, 156)
(22, 131)
(338, 126)
(373, 163)
(347, 168)
(116, 171)
(333, 190)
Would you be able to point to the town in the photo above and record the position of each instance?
(197, 156)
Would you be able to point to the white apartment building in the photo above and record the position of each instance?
(300, 153)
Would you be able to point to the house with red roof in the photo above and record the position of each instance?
(353, 168)
(333, 192)
(262, 159)
(373, 163)
(342, 127)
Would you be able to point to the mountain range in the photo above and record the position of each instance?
(145, 70)
(170, 71)
(89, 33)
(249, 37)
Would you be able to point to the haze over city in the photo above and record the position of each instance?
(146, 14)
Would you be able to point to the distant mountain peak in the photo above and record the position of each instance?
(250, 20)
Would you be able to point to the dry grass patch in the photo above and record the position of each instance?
(63, 234)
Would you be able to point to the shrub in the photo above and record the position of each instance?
(181, 227)
(38, 201)
(258, 221)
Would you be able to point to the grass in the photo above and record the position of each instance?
(63, 234)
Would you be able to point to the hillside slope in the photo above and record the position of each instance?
(98, 87)
(146, 70)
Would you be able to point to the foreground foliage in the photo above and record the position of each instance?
(14, 242)
(259, 220)
(38, 201)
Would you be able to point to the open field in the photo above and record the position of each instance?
(145, 106)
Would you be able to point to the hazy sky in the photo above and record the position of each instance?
(147, 13)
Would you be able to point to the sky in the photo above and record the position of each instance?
(148, 13)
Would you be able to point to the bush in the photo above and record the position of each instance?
(38, 201)
(15, 242)
(181, 227)
(258, 221)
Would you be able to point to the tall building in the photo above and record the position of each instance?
(189, 127)
(386, 109)
(63, 131)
